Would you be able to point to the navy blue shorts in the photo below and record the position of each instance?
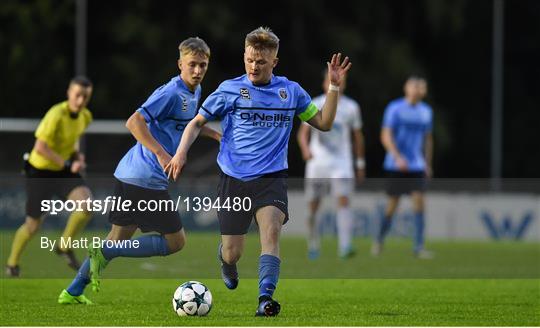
(164, 221)
(268, 190)
(403, 183)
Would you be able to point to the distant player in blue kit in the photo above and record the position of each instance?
(256, 112)
(158, 126)
(406, 135)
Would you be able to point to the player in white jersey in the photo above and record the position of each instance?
(330, 165)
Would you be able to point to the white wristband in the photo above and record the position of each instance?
(333, 87)
(360, 163)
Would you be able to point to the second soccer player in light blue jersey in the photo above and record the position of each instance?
(256, 112)
(158, 126)
(406, 136)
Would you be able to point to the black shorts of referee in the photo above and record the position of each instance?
(46, 185)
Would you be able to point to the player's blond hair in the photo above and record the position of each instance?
(262, 38)
(194, 45)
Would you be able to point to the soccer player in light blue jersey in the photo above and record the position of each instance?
(256, 112)
(406, 135)
(157, 126)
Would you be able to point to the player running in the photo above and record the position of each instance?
(54, 169)
(329, 164)
(406, 136)
(256, 112)
(158, 126)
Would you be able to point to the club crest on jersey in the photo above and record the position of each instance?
(184, 104)
(283, 94)
(244, 93)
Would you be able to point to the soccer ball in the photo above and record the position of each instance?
(192, 298)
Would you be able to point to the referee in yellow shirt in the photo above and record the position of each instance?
(53, 169)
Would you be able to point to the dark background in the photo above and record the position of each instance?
(132, 49)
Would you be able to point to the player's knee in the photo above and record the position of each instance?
(231, 254)
(391, 205)
(418, 203)
(85, 215)
(32, 226)
(117, 235)
(418, 206)
(32, 229)
(343, 201)
(231, 258)
(313, 206)
(81, 193)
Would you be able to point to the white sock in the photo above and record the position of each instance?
(314, 238)
(344, 223)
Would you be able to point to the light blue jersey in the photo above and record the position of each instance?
(167, 112)
(409, 124)
(256, 123)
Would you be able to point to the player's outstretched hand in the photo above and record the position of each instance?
(175, 166)
(337, 69)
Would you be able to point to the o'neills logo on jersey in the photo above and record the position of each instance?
(267, 120)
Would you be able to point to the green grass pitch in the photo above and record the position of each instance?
(467, 284)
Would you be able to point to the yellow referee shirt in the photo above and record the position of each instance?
(61, 132)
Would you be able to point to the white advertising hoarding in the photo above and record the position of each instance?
(448, 215)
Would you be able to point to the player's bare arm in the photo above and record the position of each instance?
(78, 158)
(359, 153)
(428, 153)
(387, 139)
(303, 141)
(337, 70)
(138, 128)
(210, 133)
(192, 131)
(44, 150)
